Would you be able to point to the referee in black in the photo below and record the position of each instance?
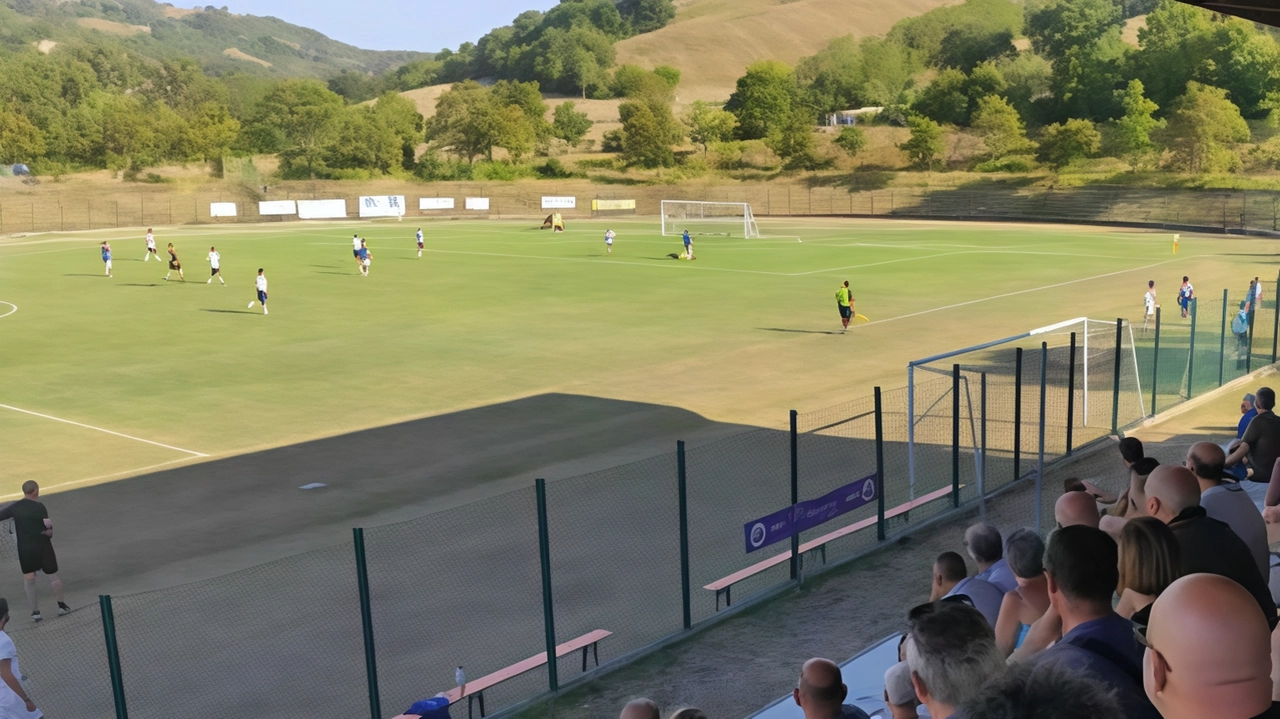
(35, 545)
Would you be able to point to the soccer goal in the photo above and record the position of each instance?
(729, 219)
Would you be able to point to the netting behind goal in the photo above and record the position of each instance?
(729, 219)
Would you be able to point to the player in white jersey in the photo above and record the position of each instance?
(151, 247)
(608, 241)
(261, 285)
(356, 242)
(420, 242)
(215, 267)
(1149, 301)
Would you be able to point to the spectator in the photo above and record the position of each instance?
(1081, 564)
(899, 695)
(1247, 413)
(821, 692)
(689, 713)
(1075, 508)
(1208, 546)
(1022, 607)
(1228, 503)
(1150, 560)
(1208, 653)
(14, 700)
(951, 578)
(1042, 692)
(1260, 445)
(952, 655)
(1240, 328)
(1131, 451)
(1135, 498)
(640, 709)
(984, 545)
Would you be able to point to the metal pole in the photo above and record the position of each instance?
(366, 621)
(911, 430)
(684, 533)
(955, 435)
(982, 454)
(1275, 331)
(548, 608)
(1155, 365)
(1115, 379)
(1191, 350)
(1017, 415)
(1222, 342)
(113, 655)
(1044, 363)
(1071, 391)
(1248, 355)
(795, 497)
(1085, 394)
(879, 467)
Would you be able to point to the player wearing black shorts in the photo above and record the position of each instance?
(35, 545)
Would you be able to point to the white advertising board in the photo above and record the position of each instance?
(435, 203)
(477, 203)
(322, 209)
(277, 207)
(222, 209)
(382, 206)
(559, 203)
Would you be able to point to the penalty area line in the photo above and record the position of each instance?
(100, 429)
(100, 478)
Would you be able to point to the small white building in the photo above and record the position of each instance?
(850, 117)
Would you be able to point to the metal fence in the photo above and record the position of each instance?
(365, 627)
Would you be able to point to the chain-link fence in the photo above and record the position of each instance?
(604, 566)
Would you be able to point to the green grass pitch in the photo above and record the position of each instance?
(497, 310)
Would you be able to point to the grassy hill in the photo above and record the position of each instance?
(223, 41)
(712, 41)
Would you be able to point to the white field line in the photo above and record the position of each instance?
(101, 477)
(100, 429)
(15, 308)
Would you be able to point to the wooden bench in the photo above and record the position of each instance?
(473, 690)
(724, 586)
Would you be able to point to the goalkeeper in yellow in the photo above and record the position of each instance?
(844, 302)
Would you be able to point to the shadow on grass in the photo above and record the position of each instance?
(232, 312)
(863, 179)
(801, 332)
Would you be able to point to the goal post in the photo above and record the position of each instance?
(729, 219)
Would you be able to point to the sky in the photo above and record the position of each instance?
(424, 25)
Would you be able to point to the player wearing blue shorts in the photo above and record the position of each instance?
(1185, 295)
(688, 246)
(420, 242)
(608, 241)
(106, 257)
(261, 285)
(364, 256)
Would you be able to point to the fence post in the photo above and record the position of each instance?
(1017, 415)
(1191, 351)
(795, 496)
(982, 454)
(1248, 354)
(548, 608)
(1275, 331)
(1115, 380)
(1044, 364)
(879, 467)
(1222, 342)
(1155, 365)
(955, 435)
(682, 479)
(113, 655)
(1071, 391)
(366, 622)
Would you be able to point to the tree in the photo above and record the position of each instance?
(925, 145)
(20, 141)
(210, 132)
(1000, 127)
(569, 124)
(1061, 144)
(946, 99)
(648, 132)
(359, 141)
(852, 140)
(464, 121)
(1134, 129)
(632, 81)
(573, 59)
(513, 132)
(669, 74)
(763, 99)
(793, 141)
(1061, 25)
(647, 15)
(293, 120)
(399, 115)
(1203, 128)
(707, 124)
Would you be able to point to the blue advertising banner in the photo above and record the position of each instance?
(806, 515)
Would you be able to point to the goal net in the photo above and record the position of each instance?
(729, 219)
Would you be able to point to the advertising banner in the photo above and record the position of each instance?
(804, 516)
(322, 209)
(435, 203)
(612, 205)
(382, 206)
(477, 203)
(222, 209)
(277, 207)
(559, 203)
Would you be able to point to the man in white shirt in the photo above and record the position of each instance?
(355, 252)
(1150, 302)
(215, 265)
(420, 242)
(261, 284)
(15, 703)
(151, 247)
(950, 578)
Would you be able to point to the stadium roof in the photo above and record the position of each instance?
(1263, 11)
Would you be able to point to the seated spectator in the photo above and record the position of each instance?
(985, 546)
(1208, 546)
(640, 709)
(1042, 692)
(821, 692)
(1208, 652)
(951, 578)
(1131, 451)
(952, 655)
(1247, 413)
(689, 713)
(1075, 508)
(1260, 445)
(899, 695)
(1075, 484)
(1228, 503)
(1081, 564)
(1135, 497)
(1024, 550)
(1150, 560)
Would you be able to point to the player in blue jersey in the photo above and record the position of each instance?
(688, 246)
(106, 257)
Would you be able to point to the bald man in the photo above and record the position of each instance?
(640, 709)
(1228, 502)
(821, 692)
(1208, 654)
(1208, 546)
(1075, 508)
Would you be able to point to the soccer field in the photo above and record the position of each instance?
(108, 378)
